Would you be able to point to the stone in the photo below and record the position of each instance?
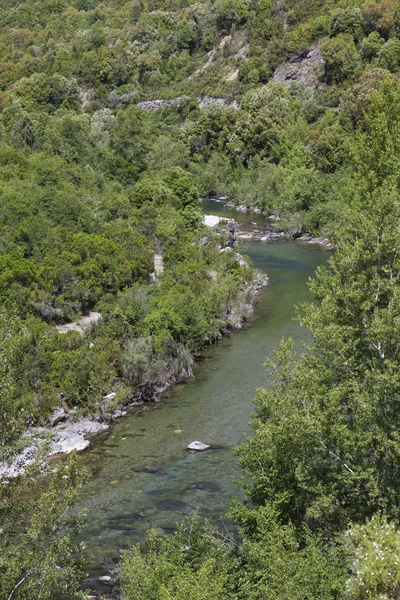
(145, 469)
(68, 438)
(105, 579)
(117, 414)
(204, 241)
(57, 416)
(211, 220)
(198, 446)
(69, 443)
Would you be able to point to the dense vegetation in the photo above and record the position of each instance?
(91, 187)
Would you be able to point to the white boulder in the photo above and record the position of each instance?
(198, 446)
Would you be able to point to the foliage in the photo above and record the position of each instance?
(92, 187)
(375, 570)
(39, 557)
(192, 564)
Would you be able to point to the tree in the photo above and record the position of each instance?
(342, 60)
(326, 448)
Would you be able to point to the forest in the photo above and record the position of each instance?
(305, 125)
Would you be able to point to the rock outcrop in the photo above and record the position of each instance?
(212, 220)
(202, 101)
(75, 436)
(82, 325)
(57, 416)
(60, 440)
(307, 68)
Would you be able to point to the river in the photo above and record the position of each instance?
(142, 475)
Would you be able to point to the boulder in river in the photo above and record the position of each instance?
(207, 486)
(145, 469)
(198, 446)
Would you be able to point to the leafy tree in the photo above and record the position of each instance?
(342, 60)
(389, 55)
(371, 45)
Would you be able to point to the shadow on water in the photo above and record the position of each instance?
(149, 479)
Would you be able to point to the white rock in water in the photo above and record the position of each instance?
(198, 446)
(211, 220)
(105, 579)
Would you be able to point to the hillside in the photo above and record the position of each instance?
(115, 118)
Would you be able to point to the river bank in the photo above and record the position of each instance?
(66, 432)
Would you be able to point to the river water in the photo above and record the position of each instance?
(142, 474)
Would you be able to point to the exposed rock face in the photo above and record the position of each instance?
(69, 443)
(158, 268)
(207, 101)
(158, 264)
(158, 104)
(82, 325)
(324, 242)
(64, 438)
(203, 102)
(213, 221)
(198, 446)
(307, 69)
(231, 229)
(232, 75)
(241, 312)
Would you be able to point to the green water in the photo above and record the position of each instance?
(142, 474)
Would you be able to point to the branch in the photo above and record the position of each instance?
(335, 455)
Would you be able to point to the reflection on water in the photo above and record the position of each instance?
(143, 476)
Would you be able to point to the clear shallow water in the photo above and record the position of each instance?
(142, 474)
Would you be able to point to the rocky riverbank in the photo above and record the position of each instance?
(270, 231)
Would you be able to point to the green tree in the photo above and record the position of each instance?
(342, 60)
